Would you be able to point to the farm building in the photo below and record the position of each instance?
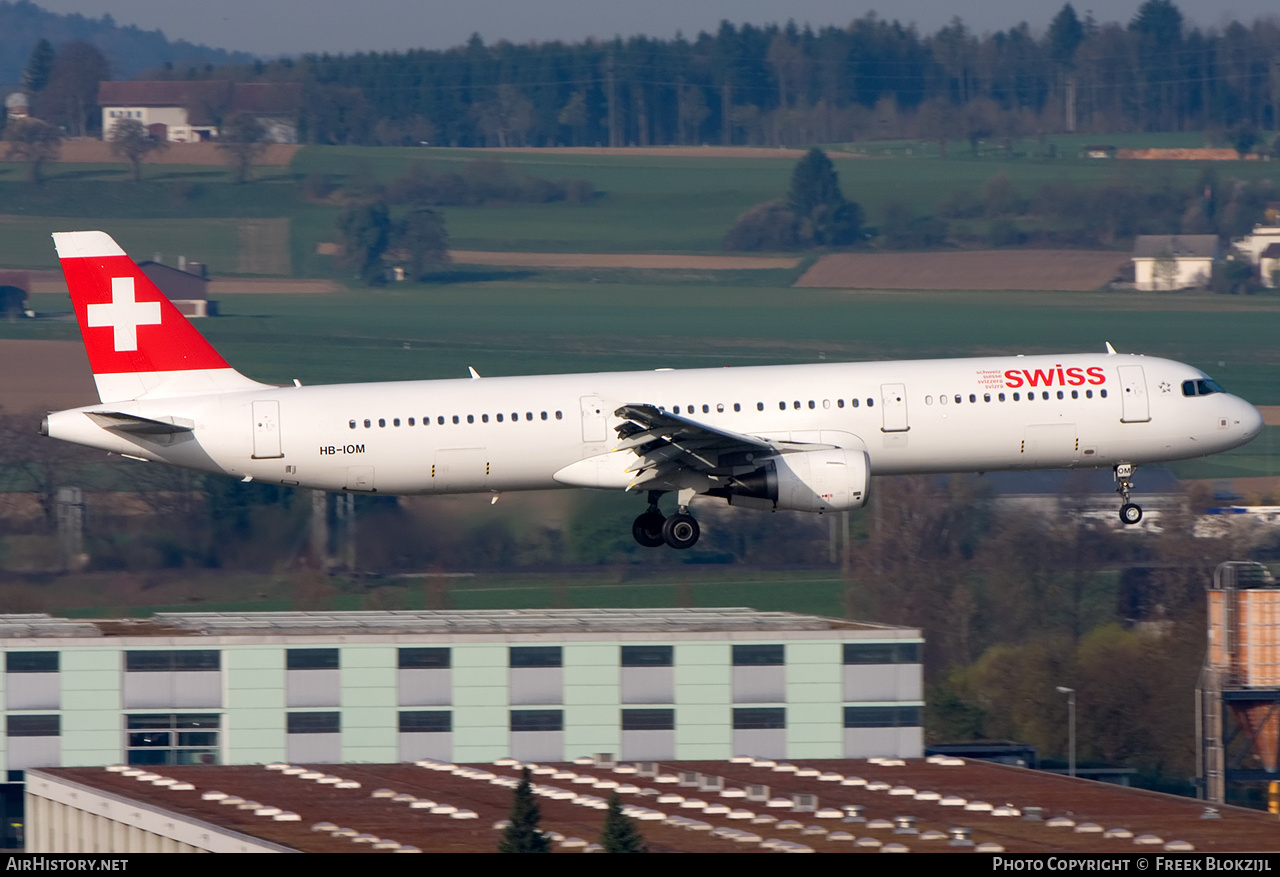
(1269, 265)
(213, 688)
(1171, 261)
(188, 289)
(190, 111)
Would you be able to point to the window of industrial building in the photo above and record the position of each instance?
(172, 738)
(753, 718)
(536, 656)
(31, 662)
(426, 722)
(882, 716)
(32, 726)
(648, 720)
(182, 660)
(882, 653)
(32, 681)
(416, 658)
(314, 723)
(537, 720)
(647, 656)
(759, 655)
(311, 659)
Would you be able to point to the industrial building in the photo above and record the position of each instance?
(743, 804)
(383, 687)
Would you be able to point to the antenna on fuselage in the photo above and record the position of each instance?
(475, 375)
(1111, 351)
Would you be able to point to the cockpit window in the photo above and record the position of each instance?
(1206, 387)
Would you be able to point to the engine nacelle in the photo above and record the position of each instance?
(810, 481)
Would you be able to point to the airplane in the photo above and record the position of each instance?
(799, 437)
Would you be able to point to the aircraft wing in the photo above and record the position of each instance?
(666, 443)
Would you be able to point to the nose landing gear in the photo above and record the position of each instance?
(652, 529)
(1130, 512)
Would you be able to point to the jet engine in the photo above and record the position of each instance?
(809, 481)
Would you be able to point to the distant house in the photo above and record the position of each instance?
(1098, 151)
(1269, 266)
(186, 287)
(1255, 242)
(1173, 261)
(190, 111)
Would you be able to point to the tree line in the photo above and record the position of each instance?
(791, 85)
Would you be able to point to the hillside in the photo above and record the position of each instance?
(129, 49)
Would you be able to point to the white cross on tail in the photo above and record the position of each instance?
(124, 314)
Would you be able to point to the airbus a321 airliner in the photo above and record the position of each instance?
(801, 437)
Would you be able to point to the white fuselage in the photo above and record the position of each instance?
(503, 434)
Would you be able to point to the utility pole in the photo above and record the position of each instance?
(1071, 727)
(726, 108)
(613, 102)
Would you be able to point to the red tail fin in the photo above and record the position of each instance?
(138, 342)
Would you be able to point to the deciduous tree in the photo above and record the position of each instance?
(243, 139)
(34, 142)
(130, 141)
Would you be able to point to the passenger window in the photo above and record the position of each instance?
(959, 398)
(796, 404)
(986, 397)
(826, 403)
(737, 406)
(942, 400)
(812, 405)
(484, 418)
(839, 403)
(973, 397)
(440, 420)
(1001, 397)
(559, 415)
(528, 415)
(396, 422)
(499, 418)
(1088, 394)
(411, 421)
(1044, 394)
(515, 415)
(871, 403)
(471, 418)
(544, 415)
(1060, 394)
(782, 406)
(1075, 394)
(1017, 398)
(1102, 393)
(928, 400)
(675, 409)
(853, 402)
(720, 407)
(382, 421)
(759, 406)
(353, 424)
(455, 418)
(706, 409)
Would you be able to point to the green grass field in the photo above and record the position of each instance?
(645, 203)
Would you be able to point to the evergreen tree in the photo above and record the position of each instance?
(522, 834)
(366, 232)
(826, 217)
(620, 834)
(36, 74)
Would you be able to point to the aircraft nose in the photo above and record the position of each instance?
(1251, 421)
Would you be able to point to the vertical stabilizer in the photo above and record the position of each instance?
(139, 344)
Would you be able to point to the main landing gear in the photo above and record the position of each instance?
(652, 528)
(1130, 512)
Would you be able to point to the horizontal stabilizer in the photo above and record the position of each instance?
(135, 425)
